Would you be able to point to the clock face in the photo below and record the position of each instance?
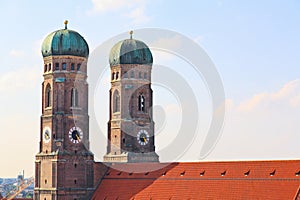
(143, 137)
(46, 134)
(75, 135)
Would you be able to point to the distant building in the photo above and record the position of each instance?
(65, 168)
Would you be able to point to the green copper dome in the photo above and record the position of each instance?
(65, 42)
(130, 51)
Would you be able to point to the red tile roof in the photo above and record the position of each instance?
(201, 180)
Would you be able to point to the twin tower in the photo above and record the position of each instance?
(64, 166)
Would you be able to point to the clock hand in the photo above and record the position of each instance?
(144, 139)
(77, 137)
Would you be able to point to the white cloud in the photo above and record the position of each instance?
(24, 78)
(138, 16)
(264, 127)
(289, 94)
(132, 9)
(16, 53)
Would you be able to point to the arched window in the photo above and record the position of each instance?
(117, 75)
(116, 102)
(113, 76)
(74, 97)
(49, 67)
(48, 96)
(45, 68)
(141, 103)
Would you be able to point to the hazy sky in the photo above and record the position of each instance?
(255, 46)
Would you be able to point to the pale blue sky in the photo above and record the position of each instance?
(255, 46)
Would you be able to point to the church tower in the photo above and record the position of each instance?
(64, 165)
(130, 126)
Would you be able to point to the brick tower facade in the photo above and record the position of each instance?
(64, 166)
(130, 126)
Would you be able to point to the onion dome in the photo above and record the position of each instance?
(65, 42)
(130, 51)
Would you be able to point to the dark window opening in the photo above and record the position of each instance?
(64, 66)
(74, 97)
(75, 165)
(49, 67)
(117, 75)
(45, 181)
(72, 66)
(56, 66)
(54, 136)
(145, 75)
(116, 102)
(123, 140)
(75, 152)
(113, 76)
(141, 103)
(48, 96)
(45, 68)
(75, 181)
(78, 67)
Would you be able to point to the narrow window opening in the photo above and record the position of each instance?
(113, 76)
(132, 74)
(140, 74)
(56, 66)
(141, 103)
(182, 173)
(45, 181)
(75, 151)
(64, 66)
(75, 182)
(78, 67)
(74, 97)
(45, 68)
(48, 96)
(116, 102)
(125, 74)
(123, 140)
(54, 136)
(72, 66)
(49, 67)
(117, 75)
(46, 151)
(75, 165)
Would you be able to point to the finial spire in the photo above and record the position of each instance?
(131, 33)
(66, 24)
